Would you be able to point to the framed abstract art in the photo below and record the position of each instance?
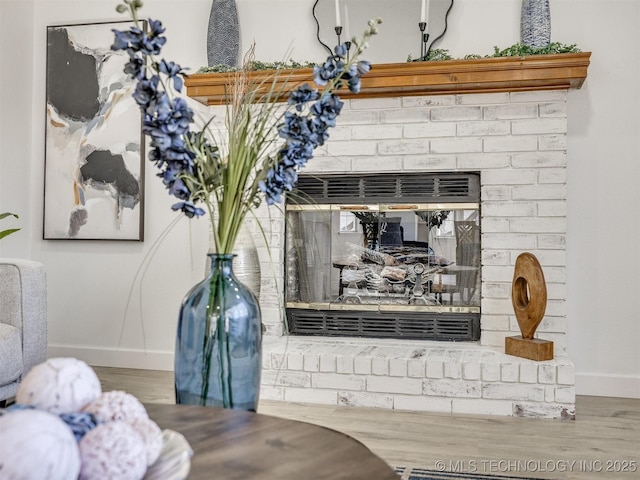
(94, 148)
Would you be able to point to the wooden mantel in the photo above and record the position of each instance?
(482, 75)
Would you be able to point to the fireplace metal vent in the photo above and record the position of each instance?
(407, 325)
(392, 187)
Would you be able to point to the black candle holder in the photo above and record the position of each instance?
(424, 38)
(338, 30)
(348, 45)
(425, 41)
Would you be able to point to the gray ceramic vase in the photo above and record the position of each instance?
(535, 23)
(246, 261)
(223, 35)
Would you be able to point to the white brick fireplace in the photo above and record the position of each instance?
(505, 118)
(517, 141)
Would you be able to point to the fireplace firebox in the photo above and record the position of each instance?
(384, 255)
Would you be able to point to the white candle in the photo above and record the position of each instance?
(338, 21)
(422, 11)
(426, 17)
(347, 34)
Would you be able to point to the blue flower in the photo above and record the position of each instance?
(146, 92)
(138, 41)
(173, 71)
(156, 27)
(182, 155)
(327, 109)
(295, 127)
(186, 160)
(135, 66)
(160, 110)
(122, 40)
(159, 138)
(320, 133)
(178, 189)
(188, 208)
(302, 95)
(182, 114)
(341, 50)
(272, 194)
(289, 178)
(353, 78)
(277, 181)
(364, 67)
(296, 154)
(354, 84)
(302, 132)
(331, 69)
(152, 44)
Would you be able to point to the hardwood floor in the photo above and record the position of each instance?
(603, 441)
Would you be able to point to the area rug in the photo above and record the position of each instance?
(417, 473)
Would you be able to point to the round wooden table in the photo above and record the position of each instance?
(234, 444)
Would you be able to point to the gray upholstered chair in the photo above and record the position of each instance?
(23, 321)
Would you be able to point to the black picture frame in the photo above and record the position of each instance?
(94, 146)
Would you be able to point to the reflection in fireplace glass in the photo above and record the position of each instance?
(371, 255)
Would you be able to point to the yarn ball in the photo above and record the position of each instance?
(151, 435)
(116, 405)
(79, 423)
(35, 444)
(113, 451)
(59, 385)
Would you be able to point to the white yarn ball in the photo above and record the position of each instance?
(113, 451)
(151, 435)
(35, 445)
(59, 385)
(116, 405)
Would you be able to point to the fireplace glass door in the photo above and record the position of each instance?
(372, 257)
(376, 268)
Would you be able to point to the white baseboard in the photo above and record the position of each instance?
(610, 385)
(112, 357)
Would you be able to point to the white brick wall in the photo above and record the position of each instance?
(517, 141)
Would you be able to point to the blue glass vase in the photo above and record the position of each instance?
(219, 342)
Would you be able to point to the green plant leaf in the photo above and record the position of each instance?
(4, 233)
(9, 231)
(8, 214)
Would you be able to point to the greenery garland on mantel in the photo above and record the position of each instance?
(516, 50)
(438, 54)
(256, 65)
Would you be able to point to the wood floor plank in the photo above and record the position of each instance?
(605, 434)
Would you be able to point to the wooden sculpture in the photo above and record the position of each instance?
(529, 298)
